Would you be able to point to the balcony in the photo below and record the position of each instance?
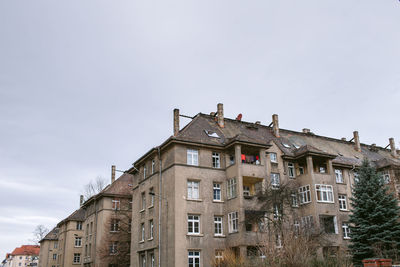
(253, 171)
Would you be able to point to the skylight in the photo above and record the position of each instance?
(286, 145)
(296, 146)
(211, 134)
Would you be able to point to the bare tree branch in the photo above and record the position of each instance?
(39, 233)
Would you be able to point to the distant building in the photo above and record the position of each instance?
(199, 188)
(26, 255)
(49, 249)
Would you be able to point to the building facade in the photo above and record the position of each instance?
(194, 194)
(26, 255)
(49, 249)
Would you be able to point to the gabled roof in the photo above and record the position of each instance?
(26, 250)
(52, 235)
(78, 215)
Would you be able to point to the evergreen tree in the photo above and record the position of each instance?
(375, 230)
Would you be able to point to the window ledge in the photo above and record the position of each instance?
(150, 239)
(234, 232)
(344, 210)
(219, 236)
(150, 207)
(346, 238)
(325, 202)
(195, 199)
(141, 210)
(141, 241)
(218, 201)
(196, 235)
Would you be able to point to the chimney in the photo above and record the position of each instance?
(176, 122)
(220, 111)
(392, 147)
(343, 139)
(112, 173)
(275, 125)
(305, 130)
(81, 201)
(357, 145)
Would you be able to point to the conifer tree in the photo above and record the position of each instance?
(375, 227)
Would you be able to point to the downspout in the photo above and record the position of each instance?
(159, 207)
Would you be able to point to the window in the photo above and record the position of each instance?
(152, 260)
(295, 200)
(339, 176)
(144, 172)
(217, 192)
(78, 241)
(231, 188)
(273, 157)
(114, 225)
(275, 180)
(386, 177)
(231, 159)
(307, 222)
(342, 202)
(151, 229)
(143, 200)
(194, 258)
(129, 225)
(233, 222)
(278, 240)
(276, 211)
(193, 189)
(142, 232)
(78, 225)
(77, 258)
(218, 225)
(192, 157)
(346, 230)
(296, 226)
(130, 204)
(54, 256)
(291, 169)
(143, 260)
(151, 193)
(322, 169)
(55, 244)
(193, 224)
(216, 161)
(328, 224)
(91, 227)
(356, 179)
(116, 204)
(219, 257)
(324, 193)
(153, 166)
(305, 194)
(246, 190)
(113, 248)
(301, 170)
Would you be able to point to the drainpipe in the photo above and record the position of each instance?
(159, 207)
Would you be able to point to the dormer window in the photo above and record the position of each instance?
(273, 157)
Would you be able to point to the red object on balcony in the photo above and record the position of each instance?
(377, 262)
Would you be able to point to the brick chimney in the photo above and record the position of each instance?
(176, 122)
(392, 147)
(275, 124)
(220, 112)
(357, 145)
(81, 201)
(112, 173)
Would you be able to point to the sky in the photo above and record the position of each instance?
(87, 84)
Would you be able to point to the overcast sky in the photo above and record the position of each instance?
(87, 84)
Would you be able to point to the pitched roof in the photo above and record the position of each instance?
(26, 250)
(52, 235)
(78, 215)
(291, 143)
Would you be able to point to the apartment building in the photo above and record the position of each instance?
(48, 249)
(107, 223)
(194, 194)
(70, 237)
(26, 255)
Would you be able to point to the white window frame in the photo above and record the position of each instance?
(77, 258)
(142, 232)
(113, 248)
(218, 226)
(231, 188)
(291, 170)
(246, 190)
(78, 225)
(192, 157)
(193, 222)
(305, 194)
(275, 180)
(301, 170)
(193, 189)
(194, 255)
(346, 230)
(54, 256)
(143, 201)
(151, 193)
(151, 229)
(273, 157)
(276, 213)
(116, 204)
(153, 165)
(152, 260)
(326, 193)
(78, 242)
(339, 176)
(219, 257)
(386, 176)
(144, 171)
(114, 225)
(233, 222)
(217, 193)
(216, 160)
(307, 221)
(295, 200)
(342, 202)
